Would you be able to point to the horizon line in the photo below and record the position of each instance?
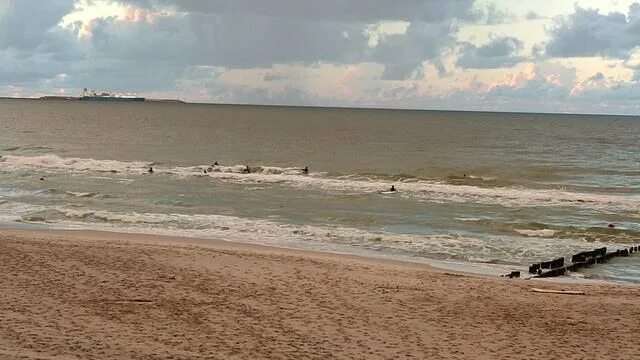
(337, 107)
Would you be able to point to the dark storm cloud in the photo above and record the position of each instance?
(249, 34)
(233, 41)
(240, 34)
(31, 24)
(32, 46)
(402, 54)
(19, 68)
(188, 50)
(587, 32)
(498, 53)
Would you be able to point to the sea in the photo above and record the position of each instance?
(476, 191)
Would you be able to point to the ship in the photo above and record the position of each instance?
(94, 95)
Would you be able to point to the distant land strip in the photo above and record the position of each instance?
(58, 97)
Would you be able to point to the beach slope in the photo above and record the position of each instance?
(89, 295)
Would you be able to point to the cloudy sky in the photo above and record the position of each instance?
(505, 55)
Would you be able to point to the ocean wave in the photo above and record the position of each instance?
(457, 247)
(14, 192)
(414, 189)
(536, 233)
(71, 194)
(57, 163)
(17, 193)
(27, 149)
(604, 233)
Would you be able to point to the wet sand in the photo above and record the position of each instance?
(92, 295)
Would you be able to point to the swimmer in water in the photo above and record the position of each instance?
(215, 164)
(150, 170)
(247, 170)
(305, 170)
(393, 188)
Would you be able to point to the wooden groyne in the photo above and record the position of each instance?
(557, 267)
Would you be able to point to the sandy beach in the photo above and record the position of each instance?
(92, 295)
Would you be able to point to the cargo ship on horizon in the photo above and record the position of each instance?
(94, 95)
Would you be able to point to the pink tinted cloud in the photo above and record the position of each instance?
(133, 14)
(596, 82)
(554, 75)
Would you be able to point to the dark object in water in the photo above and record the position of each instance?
(584, 256)
(582, 259)
(554, 272)
(578, 258)
(557, 263)
(534, 268)
(305, 170)
(513, 275)
(611, 225)
(574, 266)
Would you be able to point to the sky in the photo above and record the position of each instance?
(488, 55)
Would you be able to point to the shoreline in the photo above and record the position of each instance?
(186, 241)
(490, 271)
(77, 294)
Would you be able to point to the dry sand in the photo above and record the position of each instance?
(87, 295)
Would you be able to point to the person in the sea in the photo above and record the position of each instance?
(150, 170)
(305, 170)
(393, 188)
(247, 170)
(215, 164)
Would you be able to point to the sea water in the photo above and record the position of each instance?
(487, 192)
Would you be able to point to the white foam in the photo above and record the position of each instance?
(58, 163)
(471, 219)
(11, 211)
(419, 190)
(537, 233)
(439, 246)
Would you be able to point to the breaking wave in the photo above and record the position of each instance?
(454, 247)
(414, 189)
